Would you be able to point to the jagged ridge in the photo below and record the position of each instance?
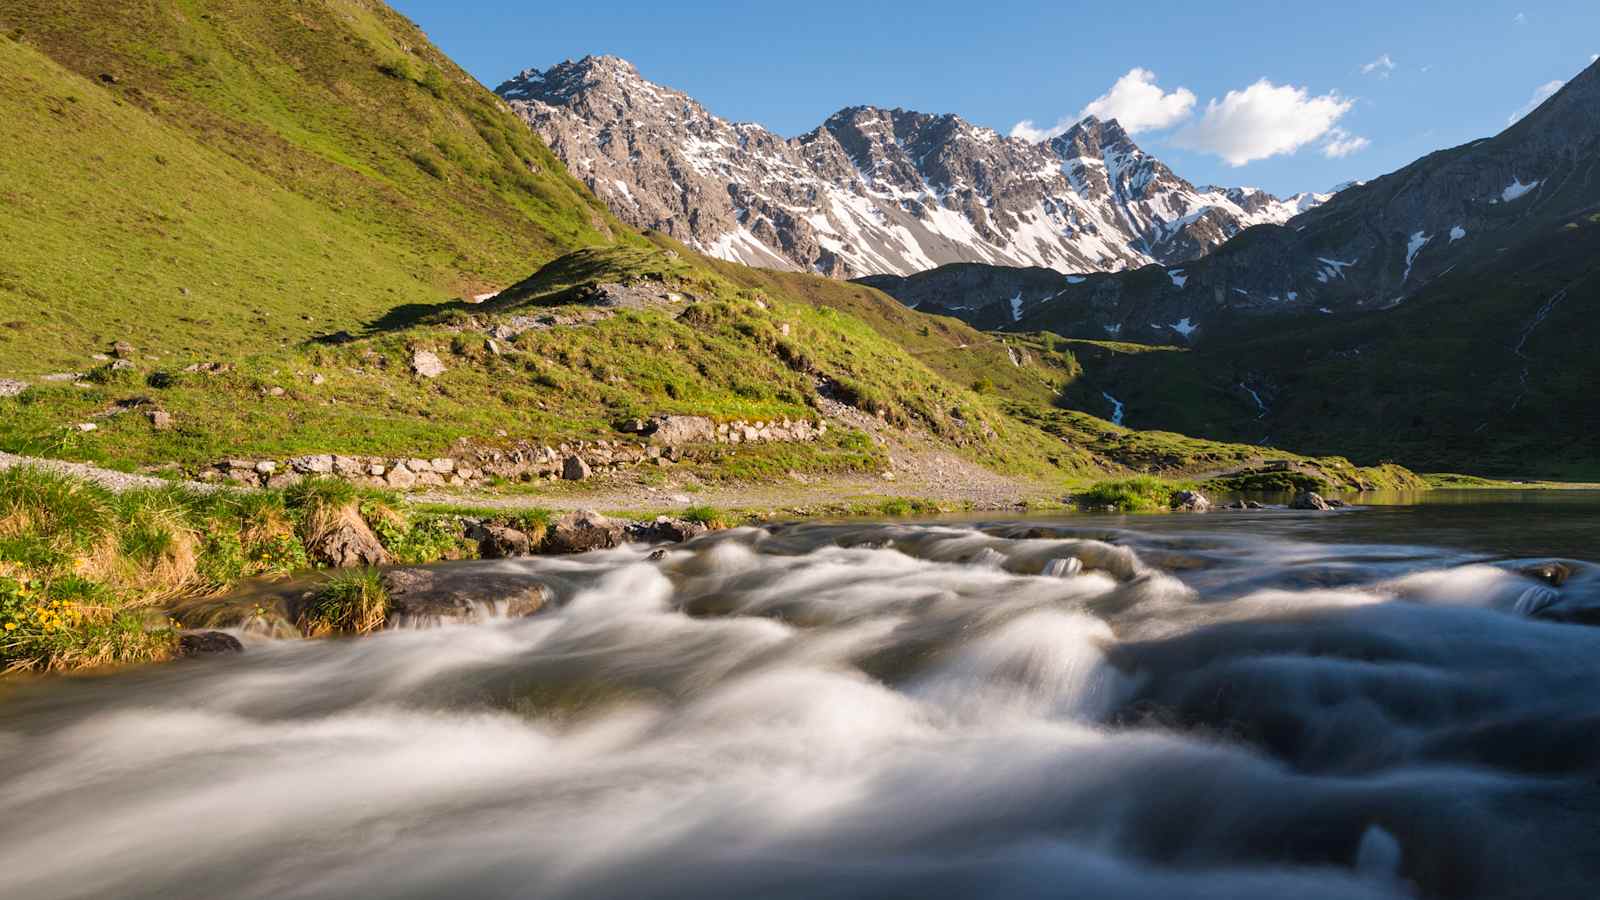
(875, 191)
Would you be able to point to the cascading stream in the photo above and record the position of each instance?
(1241, 708)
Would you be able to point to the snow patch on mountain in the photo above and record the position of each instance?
(1516, 189)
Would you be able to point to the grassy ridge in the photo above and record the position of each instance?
(218, 176)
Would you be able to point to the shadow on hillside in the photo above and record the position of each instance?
(406, 315)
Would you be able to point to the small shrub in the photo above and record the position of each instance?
(398, 68)
(1142, 493)
(709, 516)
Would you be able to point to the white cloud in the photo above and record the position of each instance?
(1380, 67)
(1262, 120)
(1139, 104)
(1342, 143)
(1540, 94)
(1136, 101)
(1519, 19)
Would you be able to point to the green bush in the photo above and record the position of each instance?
(1142, 493)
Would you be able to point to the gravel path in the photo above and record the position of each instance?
(107, 478)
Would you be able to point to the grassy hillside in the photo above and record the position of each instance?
(221, 176)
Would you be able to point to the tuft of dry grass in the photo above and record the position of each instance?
(351, 602)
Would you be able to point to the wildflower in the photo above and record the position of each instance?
(11, 626)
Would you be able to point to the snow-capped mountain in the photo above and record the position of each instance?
(875, 191)
(1374, 246)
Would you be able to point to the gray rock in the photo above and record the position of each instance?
(122, 365)
(427, 364)
(122, 350)
(671, 431)
(444, 465)
(208, 643)
(266, 467)
(462, 592)
(400, 477)
(502, 542)
(160, 420)
(312, 465)
(1190, 501)
(665, 529)
(581, 531)
(1309, 500)
(575, 469)
(10, 387)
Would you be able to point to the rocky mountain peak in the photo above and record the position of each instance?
(871, 190)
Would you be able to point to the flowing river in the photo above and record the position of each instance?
(1393, 701)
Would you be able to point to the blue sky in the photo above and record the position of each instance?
(1284, 96)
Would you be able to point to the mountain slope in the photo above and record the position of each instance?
(1443, 316)
(1374, 246)
(200, 177)
(874, 191)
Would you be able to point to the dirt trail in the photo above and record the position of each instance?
(107, 478)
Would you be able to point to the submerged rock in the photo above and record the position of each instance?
(581, 531)
(1190, 501)
(666, 529)
(1309, 500)
(208, 643)
(467, 592)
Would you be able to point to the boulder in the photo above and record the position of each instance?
(10, 387)
(282, 480)
(313, 465)
(1309, 500)
(347, 542)
(160, 420)
(462, 592)
(122, 350)
(399, 477)
(502, 542)
(426, 363)
(671, 431)
(666, 529)
(1190, 501)
(208, 643)
(575, 469)
(579, 532)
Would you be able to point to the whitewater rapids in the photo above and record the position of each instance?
(861, 711)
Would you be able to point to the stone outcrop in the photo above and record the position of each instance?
(347, 542)
(582, 531)
(1190, 501)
